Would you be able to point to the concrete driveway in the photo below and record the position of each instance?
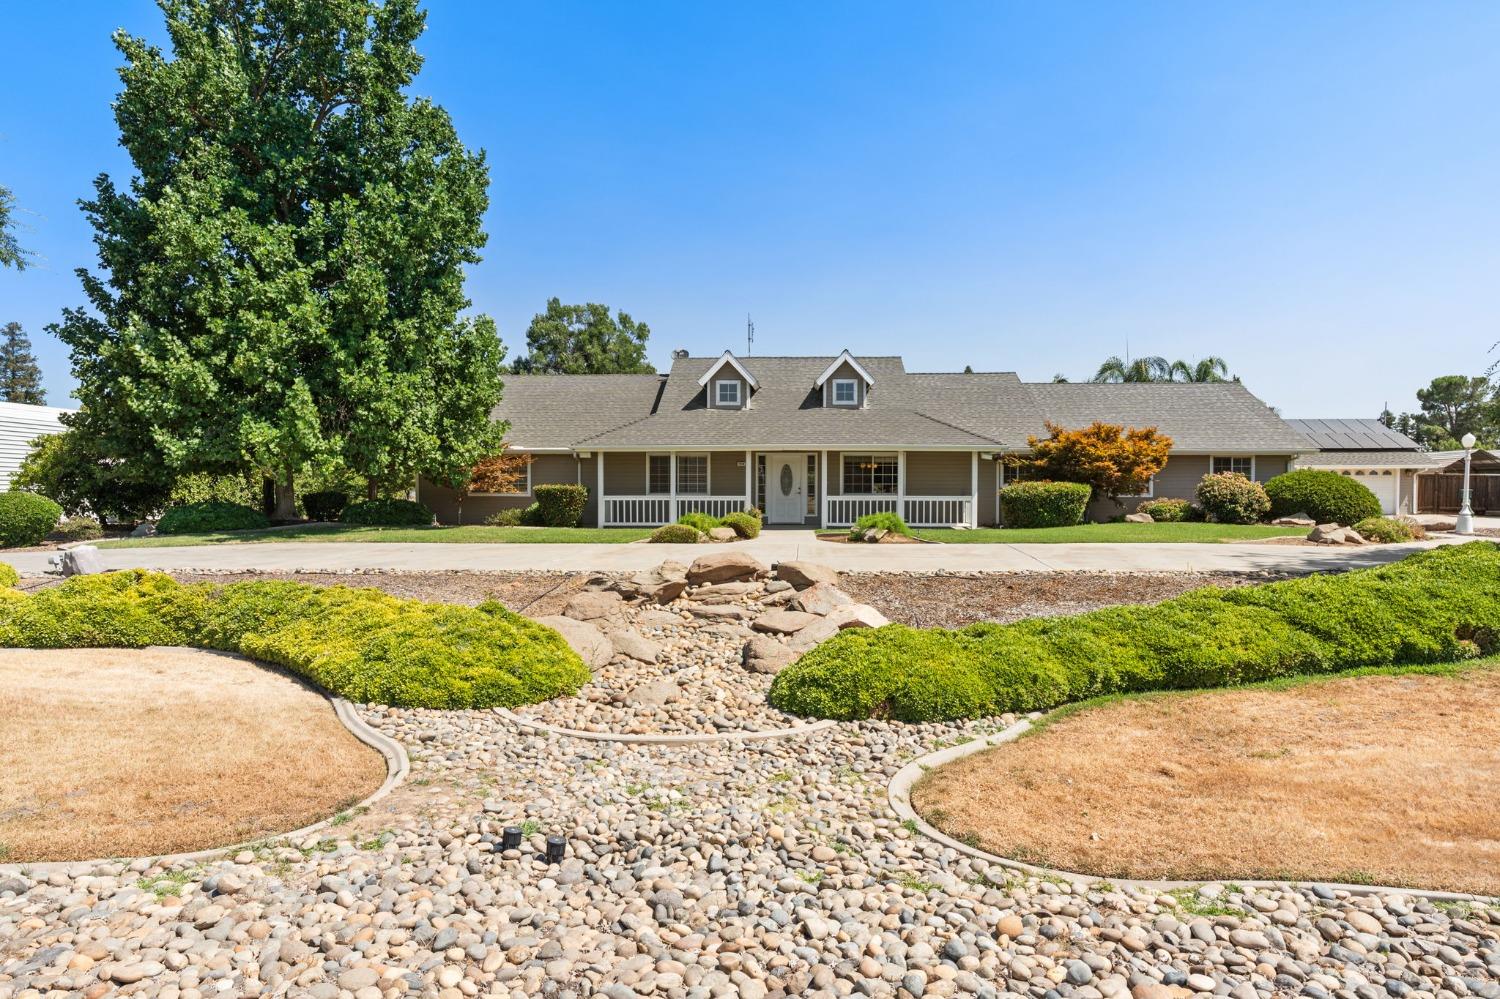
(773, 546)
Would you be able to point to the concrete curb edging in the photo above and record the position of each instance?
(397, 767)
(898, 793)
(664, 739)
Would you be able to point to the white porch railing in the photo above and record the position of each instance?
(917, 511)
(652, 511)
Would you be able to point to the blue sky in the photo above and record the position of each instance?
(1309, 191)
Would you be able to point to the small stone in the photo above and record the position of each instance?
(804, 574)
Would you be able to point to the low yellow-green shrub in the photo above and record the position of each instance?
(8, 575)
(1437, 606)
(361, 644)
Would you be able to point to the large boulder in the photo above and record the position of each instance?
(1333, 534)
(725, 567)
(722, 534)
(83, 560)
(820, 598)
(784, 622)
(1295, 520)
(857, 616)
(764, 654)
(1139, 518)
(654, 693)
(804, 574)
(588, 641)
(635, 646)
(825, 628)
(663, 584)
(591, 605)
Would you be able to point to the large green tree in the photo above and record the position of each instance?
(282, 282)
(584, 340)
(20, 377)
(11, 254)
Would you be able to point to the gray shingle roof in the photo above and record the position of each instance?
(983, 410)
(1198, 416)
(1353, 435)
(557, 411)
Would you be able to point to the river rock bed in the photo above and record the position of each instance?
(762, 869)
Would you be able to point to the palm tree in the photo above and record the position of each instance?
(1142, 369)
(1209, 369)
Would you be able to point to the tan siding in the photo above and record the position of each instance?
(937, 473)
(845, 370)
(589, 476)
(835, 473)
(544, 468)
(624, 473)
(726, 473)
(1268, 466)
(1179, 479)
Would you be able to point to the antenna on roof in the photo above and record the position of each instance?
(749, 335)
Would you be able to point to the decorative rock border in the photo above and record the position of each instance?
(665, 738)
(397, 766)
(898, 792)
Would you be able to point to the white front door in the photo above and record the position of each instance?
(786, 488)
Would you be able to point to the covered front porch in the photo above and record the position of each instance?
(808, 488)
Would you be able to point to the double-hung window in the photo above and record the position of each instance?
(1245, 466)
(692, 474)
(845, 392)
(870, 474)
(727, 393)
(659, 474)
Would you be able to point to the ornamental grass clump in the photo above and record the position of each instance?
(361, 644)
(887, 521)
(1388, 530)
(1432, 607)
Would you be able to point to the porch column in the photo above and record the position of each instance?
(672, 508)
(823, 483)
(973, 488)
(749, 481)
(901, 484)
(599, 494)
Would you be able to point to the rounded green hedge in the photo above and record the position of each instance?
(1326, 497)
(560, 504)
(746, 525)
(387, 513)
(1388, 530)
(26, 519)
(1167, 511)
(1436, 606)
(1044, 504)
(1231, 498)
(325, 505)
(210, 515)
(361, 644)
(8, 575)
(676, 534)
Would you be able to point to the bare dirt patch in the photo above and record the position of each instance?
(954, 600)
(118, 752)
(1381, 779)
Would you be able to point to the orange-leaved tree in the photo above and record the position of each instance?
(1116, 461)
(499, 473)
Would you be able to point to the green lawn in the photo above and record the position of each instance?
(1108, 532)
(473, 534)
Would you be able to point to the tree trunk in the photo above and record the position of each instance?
(286, 498)
(268, 495)
(371, 489)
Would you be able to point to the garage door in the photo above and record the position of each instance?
(1383, 486)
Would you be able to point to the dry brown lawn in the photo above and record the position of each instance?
(117, 752)
(1380, 779)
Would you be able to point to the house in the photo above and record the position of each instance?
(1402, 476)
(20, 424)
(821, 441)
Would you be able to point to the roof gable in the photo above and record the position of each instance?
(842, 359)
(729, 359)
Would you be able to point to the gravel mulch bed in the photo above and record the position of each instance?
(765, 871)
(952, 600)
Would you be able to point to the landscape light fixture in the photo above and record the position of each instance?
(510, 838)
(555, 846)
(1465, 523)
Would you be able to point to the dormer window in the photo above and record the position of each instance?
(845, 392)
(840, 382)
(727, 393)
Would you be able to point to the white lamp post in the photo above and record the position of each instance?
(1465, 524)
